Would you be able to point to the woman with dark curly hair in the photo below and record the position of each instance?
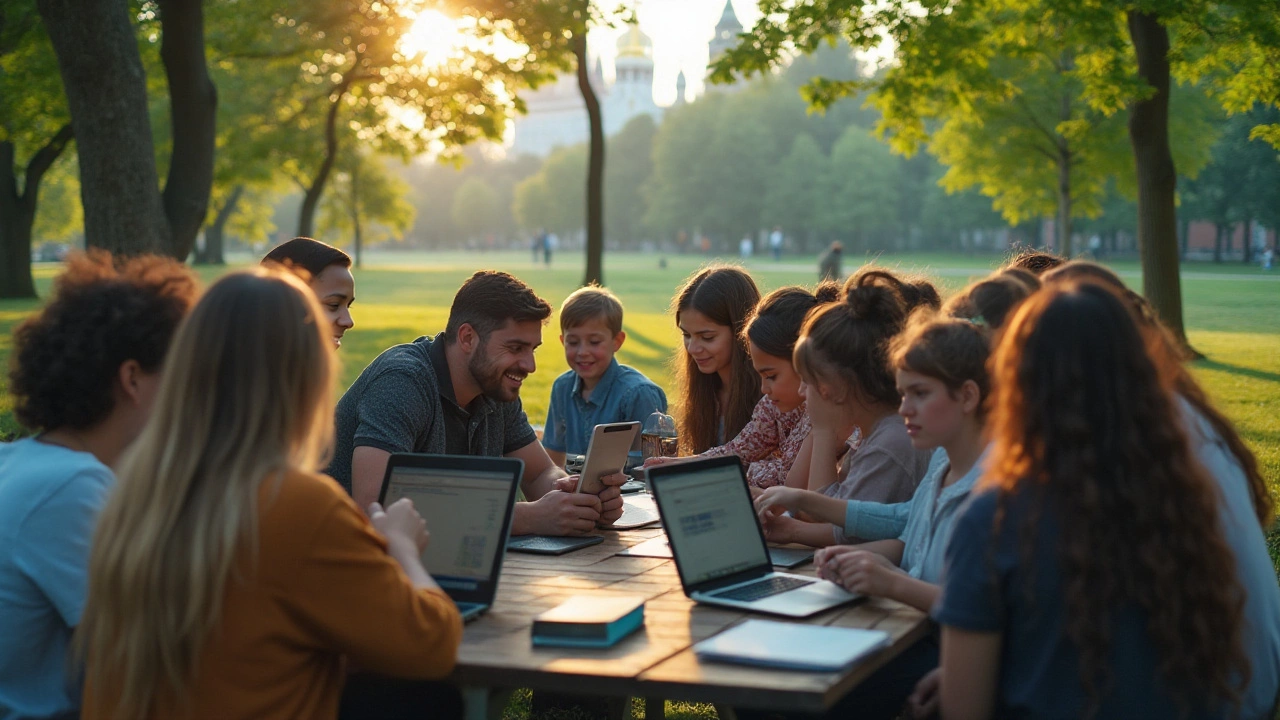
(328, 271)
(1089, 576)
(83, 374)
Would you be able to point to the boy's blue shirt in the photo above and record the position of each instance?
(622, 394)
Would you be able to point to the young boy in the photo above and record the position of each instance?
(596, 389)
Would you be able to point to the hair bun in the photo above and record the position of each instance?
(920, 294)
(826, 292)
(875, 303)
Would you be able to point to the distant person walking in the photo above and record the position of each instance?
(746, 247)
(549, 243)
(539, 242)
(829, 264)
(775, 243)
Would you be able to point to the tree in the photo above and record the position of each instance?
(793, 198)
(682, 166)
(862, 188)
(1124, 61)
(547, 199)
(367, 204)
(555, 33)
(105, 84)
(35, 129)
(631, 164)
(474, 208)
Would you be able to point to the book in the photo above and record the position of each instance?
(596, 621)
(792, 646)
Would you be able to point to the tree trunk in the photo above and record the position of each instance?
(1218, 232)
(18, 213)
(1248, 241)
(357, 245)
(215, 232)
(1063, 224)
(1157, 177)
(193, 103)
(107, 94)
(595, 167)
(311, 200)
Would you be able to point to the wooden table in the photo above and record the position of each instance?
(656, 662)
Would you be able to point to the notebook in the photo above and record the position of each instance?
(792, 646)
(589, 621)
(468, 503)
(719, 548)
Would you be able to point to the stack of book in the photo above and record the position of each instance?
(591, 621)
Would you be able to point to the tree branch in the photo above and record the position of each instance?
(40, 164)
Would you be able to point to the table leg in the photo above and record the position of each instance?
(725, 712)
(484, 703)
(655, 708)
(619, 708)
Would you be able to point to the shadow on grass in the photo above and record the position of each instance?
(636, 337)
(1238, 370)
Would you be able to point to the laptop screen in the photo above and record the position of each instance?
(711, 524)
(464, 511)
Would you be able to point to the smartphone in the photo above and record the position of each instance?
(606, 453)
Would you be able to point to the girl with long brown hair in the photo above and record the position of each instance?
(718, 387)
(227, 577)
(851, 394)
(1088, 576)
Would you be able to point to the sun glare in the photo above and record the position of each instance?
(432, 39)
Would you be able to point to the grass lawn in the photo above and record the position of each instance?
(1230, 313)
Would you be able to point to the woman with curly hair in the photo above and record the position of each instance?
(83, 373)
(1246, 510)
(1088, 577)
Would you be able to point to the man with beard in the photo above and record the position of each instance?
(459, 393)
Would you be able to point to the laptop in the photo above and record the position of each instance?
(468, 503)
(719, 548)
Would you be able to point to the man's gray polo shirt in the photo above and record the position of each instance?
(404, 402)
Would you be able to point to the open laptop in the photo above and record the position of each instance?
(719, 549)
(468, 503)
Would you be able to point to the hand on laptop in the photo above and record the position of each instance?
(557, 513)
(779, 528)
(859, 571)
(400, 524)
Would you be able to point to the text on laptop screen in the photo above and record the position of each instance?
(464, 512)
(711, 524)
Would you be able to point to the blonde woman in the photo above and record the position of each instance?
(225, 571)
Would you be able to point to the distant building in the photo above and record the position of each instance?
(556, 116)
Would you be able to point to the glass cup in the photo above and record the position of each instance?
(658, 437)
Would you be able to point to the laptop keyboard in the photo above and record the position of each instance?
(767, 587)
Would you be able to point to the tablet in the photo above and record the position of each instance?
(550, 544)
(606, 454)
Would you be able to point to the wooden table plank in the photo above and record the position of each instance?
(656, 662)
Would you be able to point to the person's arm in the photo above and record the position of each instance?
(556, 509)
(826, 450)
(970, 673)
(368, 466)
(815, 505)
(783, 529)
(361, 603)
(52, 546)
(876, 521)
(798, 475)
(393, 412)
(557, 457)
(540, 472)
